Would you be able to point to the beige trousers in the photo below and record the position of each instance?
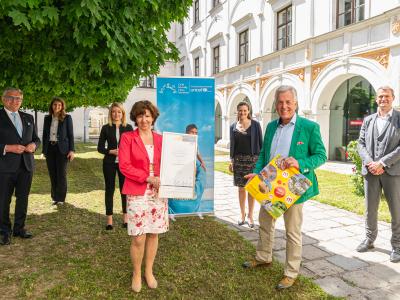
(293, 219)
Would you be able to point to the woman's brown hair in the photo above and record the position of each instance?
(62, 114)
(139, 108)
(242, 103)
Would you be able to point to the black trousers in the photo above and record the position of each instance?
(20, 182)
(57, 167)
(109, 171)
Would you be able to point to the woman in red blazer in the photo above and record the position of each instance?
(139, 161)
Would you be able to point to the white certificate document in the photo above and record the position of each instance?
(178, 165)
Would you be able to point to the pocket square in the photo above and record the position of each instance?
(300, 143)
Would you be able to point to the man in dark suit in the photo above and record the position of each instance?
(379, 148)
(18, 142)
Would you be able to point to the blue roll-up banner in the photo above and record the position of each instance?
(183, 101)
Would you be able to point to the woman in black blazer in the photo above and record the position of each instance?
(111, 134)
(245, 146)
(58, 147)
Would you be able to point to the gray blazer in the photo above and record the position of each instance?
(391, 154)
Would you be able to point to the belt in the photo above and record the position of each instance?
(53, 143)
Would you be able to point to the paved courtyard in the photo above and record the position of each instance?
(330, 236)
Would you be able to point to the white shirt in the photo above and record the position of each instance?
(283, 138)
(381, 121)
(117, 135)
(53, 129)
(9, 114)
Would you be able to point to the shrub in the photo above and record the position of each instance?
(356, 177)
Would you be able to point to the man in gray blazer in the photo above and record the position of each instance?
(379, 148)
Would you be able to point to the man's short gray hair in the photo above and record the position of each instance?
(386, 88)
(284, 89)
(12, 89)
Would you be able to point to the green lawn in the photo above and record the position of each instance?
(336, 190)
(217, 152)
(72, 257)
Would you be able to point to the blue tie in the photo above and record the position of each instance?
(16, 123)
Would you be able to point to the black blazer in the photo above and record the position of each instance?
(108, 134)
(9, 136)
(65, 135)
(255, 136)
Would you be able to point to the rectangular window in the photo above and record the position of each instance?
(182, 29)
(349, 11)
(183, 70)
(215, 2)
(216, 60)
(244, 47)
(197, 66)
(284, 28)
(196, 11)
(147, 82)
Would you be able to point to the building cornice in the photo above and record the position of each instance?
(242, 20)
(314, 40)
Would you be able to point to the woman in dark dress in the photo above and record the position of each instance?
(245, 145)
(58, 147)
(110, 136)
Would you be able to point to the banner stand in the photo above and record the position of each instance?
(173, 217)
(187, 107)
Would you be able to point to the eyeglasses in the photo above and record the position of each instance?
(13, 98)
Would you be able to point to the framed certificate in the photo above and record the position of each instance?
(178, 166)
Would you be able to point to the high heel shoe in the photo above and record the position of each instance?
(151, 283)
(242, 222)
(136, 286)
(251, 224)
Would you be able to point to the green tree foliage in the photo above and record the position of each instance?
(356, 177)
(91, 52)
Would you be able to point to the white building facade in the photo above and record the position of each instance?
(335, 53)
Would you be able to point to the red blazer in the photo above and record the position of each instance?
(134, 162)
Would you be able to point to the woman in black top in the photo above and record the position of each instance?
(58, 147)
(111, 134)
(245, 145)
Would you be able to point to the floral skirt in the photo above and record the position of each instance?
(147, 215)
(242, 165)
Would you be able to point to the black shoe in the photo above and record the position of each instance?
(241, 223)
(124, 225)
(365, 246)
(5, 239)
(23, 234)
(395, 255)
(109, 227)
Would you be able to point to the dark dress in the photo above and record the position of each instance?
(245, 147)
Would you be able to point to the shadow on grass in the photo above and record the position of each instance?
(83, 175)
(71, 256)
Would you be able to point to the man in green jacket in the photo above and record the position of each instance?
(299, 140)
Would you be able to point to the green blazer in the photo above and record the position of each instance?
(306, 146)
